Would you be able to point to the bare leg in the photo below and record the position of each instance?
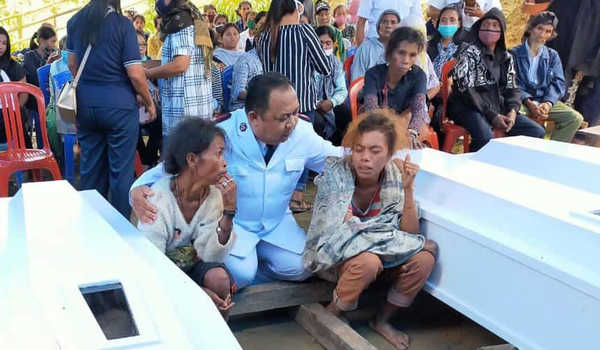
(219, 289)
(381, 324)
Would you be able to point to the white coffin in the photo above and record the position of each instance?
(56, 244)
(519, 234)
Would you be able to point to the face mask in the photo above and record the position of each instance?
(340, 20)
(163, 9)
(489, 37)
(447, 31)
(251, 24)
(329, 52)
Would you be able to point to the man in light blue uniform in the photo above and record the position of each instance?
(268, 147)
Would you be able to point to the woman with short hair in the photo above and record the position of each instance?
(195, 208)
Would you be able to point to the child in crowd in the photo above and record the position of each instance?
(323, 18)
(331, 89)
(340, 17)
(244, 8)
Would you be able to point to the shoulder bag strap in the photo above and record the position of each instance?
(82, 65)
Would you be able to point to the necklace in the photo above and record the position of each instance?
(178, 194)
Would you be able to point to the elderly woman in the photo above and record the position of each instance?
(196, 206)
(365, 223)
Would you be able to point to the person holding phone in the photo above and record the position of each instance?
(470, 10)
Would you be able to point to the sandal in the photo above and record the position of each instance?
(298, 207)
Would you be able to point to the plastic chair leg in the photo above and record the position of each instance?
(37, 175)
(55, 172)
(4, 184)
(69, 158)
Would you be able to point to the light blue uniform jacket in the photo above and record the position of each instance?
(263, 191)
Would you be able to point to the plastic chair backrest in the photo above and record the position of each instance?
(446, 68)
(347, 66)
(355, 88)
(13, 122)
(61, 79)
(227, 79)
(44, 80)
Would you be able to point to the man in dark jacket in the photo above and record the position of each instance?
(485, 92)
(541, 79)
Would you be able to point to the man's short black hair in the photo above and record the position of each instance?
(412, 36)
(325, 30)
(260, 88)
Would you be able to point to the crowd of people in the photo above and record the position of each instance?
(230, 118)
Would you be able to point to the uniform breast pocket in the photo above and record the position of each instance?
(294, 165)
(238, 174)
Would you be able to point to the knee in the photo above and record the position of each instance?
(425, 261)
(431, 247)
(366, 266)
(218, 281)
(577, 118)
(243, 274)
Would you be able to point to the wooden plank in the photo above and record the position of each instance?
(276, 295)
(498, 347)
(331, 332)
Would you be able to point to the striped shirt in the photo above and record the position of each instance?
(246, 68)
(299, 55)
(372, 211)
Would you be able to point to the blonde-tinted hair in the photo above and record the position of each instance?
(391, 125)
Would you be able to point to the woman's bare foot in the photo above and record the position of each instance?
(399, 340)
(333, 309)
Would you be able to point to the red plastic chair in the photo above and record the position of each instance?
(347, 66)
(138, 167)
(355, 88)
(17, 157)
(452, 131)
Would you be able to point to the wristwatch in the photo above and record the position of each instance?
(229, 213)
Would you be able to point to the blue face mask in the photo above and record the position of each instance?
(447, 31)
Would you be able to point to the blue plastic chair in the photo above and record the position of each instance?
(44, 80)
(69, 140)
(227, 79)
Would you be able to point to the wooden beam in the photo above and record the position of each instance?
(276, 295)
(331, 332)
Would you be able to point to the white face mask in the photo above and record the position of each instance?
(329, 52)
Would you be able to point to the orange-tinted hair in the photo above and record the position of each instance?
(392, 126)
